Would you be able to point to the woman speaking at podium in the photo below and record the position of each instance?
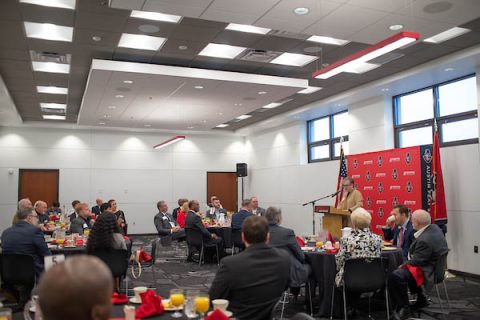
(352, 199)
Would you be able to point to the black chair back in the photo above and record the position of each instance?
(194, 237)
(237, 238)
(17, 269)
(116, 260)
(439, 269)
(154, 250)
(365, 274)
(302, 316)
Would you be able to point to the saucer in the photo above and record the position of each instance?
(227, 313)
(135, 300)
(166, 306)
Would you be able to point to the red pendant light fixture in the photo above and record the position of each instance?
(168, 142)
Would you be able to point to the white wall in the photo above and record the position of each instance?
(118, 165)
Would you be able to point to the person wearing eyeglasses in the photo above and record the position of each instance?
(352, 199)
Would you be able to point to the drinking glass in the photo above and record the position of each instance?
(177, 299)
(190, 309)
(202, 303)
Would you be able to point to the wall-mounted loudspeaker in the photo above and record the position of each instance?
(241, 169)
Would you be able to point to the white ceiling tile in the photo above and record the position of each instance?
(229, 16)
(186, 8)
(127, 4)
(382, 5)
(248, 7)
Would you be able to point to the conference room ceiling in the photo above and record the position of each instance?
(98, 27)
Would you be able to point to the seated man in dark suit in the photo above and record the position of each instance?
(240, 216)
(83, 221)
(41, 209)
(284, 238)
(424, 253)
(167, 227)
(253, 280)
(194, 222)
(96, 209)
(72, 213)
(402, 232)
(216, 210)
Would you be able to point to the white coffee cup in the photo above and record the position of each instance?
(138, 291)
(220, 304)
(346, 232)
(328, 245)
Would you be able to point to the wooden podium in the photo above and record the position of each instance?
(332, 219)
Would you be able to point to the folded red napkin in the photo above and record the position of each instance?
(125, 238)
(334, 250)
(416, 272)
(151, 305)
(216, 315)
(144, 257)
(300, 241)
(119, 298)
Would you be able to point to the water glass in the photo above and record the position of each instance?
(190, 309)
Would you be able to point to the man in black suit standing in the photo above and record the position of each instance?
(424, 253)
(194, 222)
(96, 209)
(253, 280)
(167, 227)
(402, 231)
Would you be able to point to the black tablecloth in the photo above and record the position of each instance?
(225, 233)
(324, 269)
(69, 251)
(117, 312)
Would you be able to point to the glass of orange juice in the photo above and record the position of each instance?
(202, 303)
(86, 232)
(177, 299)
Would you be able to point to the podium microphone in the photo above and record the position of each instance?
(335, 193)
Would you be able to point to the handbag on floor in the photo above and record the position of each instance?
(137, 257)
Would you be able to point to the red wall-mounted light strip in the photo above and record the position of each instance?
(168, 142)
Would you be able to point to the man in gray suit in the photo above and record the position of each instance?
(167, 227)
(424, 253)
(256, 210)
(83, 221)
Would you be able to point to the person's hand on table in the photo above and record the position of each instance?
(214, 236)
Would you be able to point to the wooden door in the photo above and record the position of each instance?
(38, 184)
(224, 186)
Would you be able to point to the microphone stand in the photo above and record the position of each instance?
(313, 206)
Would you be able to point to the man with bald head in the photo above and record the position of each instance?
(80, 276)
(96, 209)
(429, 245)
(22, 204)
(41, 209)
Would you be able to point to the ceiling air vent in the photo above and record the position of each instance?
(45, 56)
(259, 55)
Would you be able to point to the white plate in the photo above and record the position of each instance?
(227, 313)
(135, 300)
(73, 246)
(166, 302)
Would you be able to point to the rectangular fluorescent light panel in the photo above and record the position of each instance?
(63, 4)
(223, 125)
(155, 16)
(141, 42)
(53, 117)
(48, 31)
(447, 35)
(51, 67)
(309, 90)
(293, 59)
(52, 90)
(271, 105)
(247, 28)
(58, 106)
(224, 51)
(362, 67)
(328, 40)
(243, 117)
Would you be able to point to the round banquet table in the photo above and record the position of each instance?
(225, 233)
(324, 269)
(117, 313)
(69, 251)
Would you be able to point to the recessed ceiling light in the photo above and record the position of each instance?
(385, 89)
(395, 27)
(449, 69)
(191, 127)
(328, 40)
(107, 116)
(198, 87)
(262, 92)
(272, 105)
(53, 117)
(301, 11)
(101, 123)
(243, 116)
(48, 31)
(128, 81)
(309, 90)
(58, 106)
(221, 51)
(97, 38)
(156, 16)
(52, 90)
(220, 113)
(64, 4)
(119, 96)
(149, 28)
(112, 107)
(182, 47)
(247, 28)
(293, 59)
(237, 104)
(147, 125)
(52, 67)
(223, 125)
(141, 42)
(447, 35)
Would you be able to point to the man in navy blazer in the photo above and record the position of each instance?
(240, 216)
(402, 232)
(25, 237)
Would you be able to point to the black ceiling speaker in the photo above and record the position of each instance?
(241, 169)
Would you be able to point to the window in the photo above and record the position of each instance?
(454, 107)
(324, 135)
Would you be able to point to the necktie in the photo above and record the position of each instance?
(400, 238)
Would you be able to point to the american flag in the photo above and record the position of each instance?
(342, 173)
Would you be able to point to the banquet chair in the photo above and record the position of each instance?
(117, 262)
(149, 264)
(364, 275)
(18, 270)
(237, 242)
(195, 239)
(284, 300)
(302, 316)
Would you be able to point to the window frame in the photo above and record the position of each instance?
(436, 116)
(331, 141)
